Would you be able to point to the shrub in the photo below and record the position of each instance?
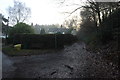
(20, 28)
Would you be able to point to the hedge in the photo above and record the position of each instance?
(37, 41)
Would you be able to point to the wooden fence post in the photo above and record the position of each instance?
(55, 41)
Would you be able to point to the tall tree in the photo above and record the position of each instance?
(18, 13)
(100, 10)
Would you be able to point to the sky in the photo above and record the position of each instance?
(43, 11)
(46, 11)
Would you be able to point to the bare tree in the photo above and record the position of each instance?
(98, 10)
(18, 13)
(101, 10)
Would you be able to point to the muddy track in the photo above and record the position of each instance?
(72, 62)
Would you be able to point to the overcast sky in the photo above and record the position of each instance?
(43, 11)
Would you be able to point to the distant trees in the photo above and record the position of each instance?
(71, 23)
(20, 28)
(42, 31)
(87, 28)
(18, 13)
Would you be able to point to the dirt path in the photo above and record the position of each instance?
(72, 62)
(7, 66)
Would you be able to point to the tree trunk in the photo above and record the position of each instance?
(99, 18)
(98, 12)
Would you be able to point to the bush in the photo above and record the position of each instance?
(20, 28)
(87, 32)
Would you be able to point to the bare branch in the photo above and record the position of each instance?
(18, 13)
(62, 2)
(75, 10)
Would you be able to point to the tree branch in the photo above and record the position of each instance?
(62, 2)
(74, 11)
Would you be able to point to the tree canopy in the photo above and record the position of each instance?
(20, 28)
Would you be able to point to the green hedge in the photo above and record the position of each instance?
(35, 41)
